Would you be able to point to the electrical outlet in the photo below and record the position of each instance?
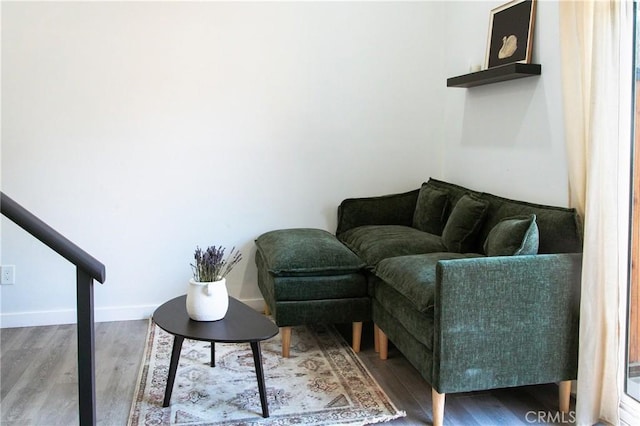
(8, 274)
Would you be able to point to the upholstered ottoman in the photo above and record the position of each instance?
(307, 276)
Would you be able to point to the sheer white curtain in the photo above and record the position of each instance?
(591, 34)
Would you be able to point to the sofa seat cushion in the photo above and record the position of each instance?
(372, 243)
(306, 252)
(392, 311)
(414, 276)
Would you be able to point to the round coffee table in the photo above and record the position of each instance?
(241, 325)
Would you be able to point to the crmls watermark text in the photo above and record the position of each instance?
(550, 417)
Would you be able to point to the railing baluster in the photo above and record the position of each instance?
(86, 349)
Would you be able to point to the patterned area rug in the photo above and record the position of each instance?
(322, 383)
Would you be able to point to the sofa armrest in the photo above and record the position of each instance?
(506, 321)
(394, 209)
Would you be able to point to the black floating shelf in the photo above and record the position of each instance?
(495, 75)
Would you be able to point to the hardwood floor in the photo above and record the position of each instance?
(39, 373)
(39, 384)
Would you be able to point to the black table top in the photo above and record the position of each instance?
(241, 324)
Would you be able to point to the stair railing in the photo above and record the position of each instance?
(88, 269)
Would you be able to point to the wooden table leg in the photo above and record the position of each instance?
(257, 360)
(173, 366)
(213, 354)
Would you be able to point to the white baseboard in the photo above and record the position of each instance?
(256, 304)
(68, 316)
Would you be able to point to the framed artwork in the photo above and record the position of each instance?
(511, 33)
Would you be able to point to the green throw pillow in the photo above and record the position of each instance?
(513, 236)
(430, 209)
(464, 223)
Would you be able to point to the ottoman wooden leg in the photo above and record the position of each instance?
(286, 341)
(356, 336)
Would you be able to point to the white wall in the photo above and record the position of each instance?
(140, 130)
(505, 138)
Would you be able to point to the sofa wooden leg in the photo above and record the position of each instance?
(267, 311)
(376, 338)
(286, 341)
(356, 336)
(565, 395)
(437, 406)
(383, 343)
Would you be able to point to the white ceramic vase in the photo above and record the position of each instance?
(207, 301)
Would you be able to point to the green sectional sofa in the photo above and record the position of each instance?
(477, 291)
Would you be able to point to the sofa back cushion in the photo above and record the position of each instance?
(513, 236)
(464, 224)
(559, 228)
